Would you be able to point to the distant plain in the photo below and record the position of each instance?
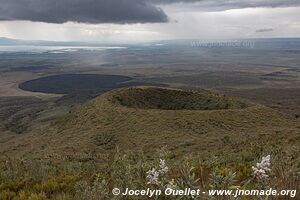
(269, 75)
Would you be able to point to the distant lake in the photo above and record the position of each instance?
(53, 49)
(79, 87)
(74, 83)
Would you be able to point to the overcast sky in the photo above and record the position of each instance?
(139, 20)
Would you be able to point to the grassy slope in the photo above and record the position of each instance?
(100, 125)
(213, 149)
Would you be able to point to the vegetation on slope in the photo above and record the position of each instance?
(17, 113)
(77, 156)
(171, 99)
(47, 179)
(102, 125)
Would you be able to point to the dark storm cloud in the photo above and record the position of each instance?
(86, 11)
(115, 11)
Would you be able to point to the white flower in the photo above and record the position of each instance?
(152, 177)
(172, 185)
(163, 168)
(262, 169)
(153, 174)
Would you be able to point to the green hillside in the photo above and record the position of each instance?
(185, 122)
(208, 141)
